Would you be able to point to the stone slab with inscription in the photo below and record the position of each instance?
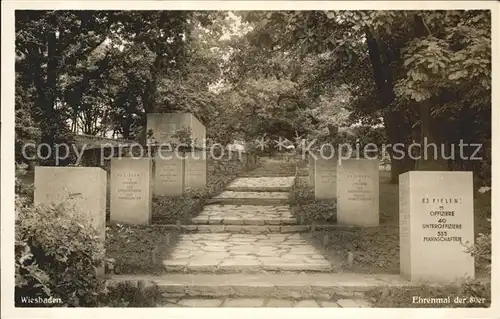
(195, 170)
(325, 178)
(131, 190)
(169, 174)
(81, 188)
(358, 192)
(436, 216)
(164, 126)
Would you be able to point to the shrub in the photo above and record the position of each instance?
(481, 251)
(21, 187)
(312, 209)
(57, 253)
(167, 210)
(139, 249)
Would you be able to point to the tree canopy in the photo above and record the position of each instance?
(418, 74)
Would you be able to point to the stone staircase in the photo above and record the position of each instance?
(245, 249)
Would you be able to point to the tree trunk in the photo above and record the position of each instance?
(430, 157)
(431, 150)
(149, 97)
(393, 119)
(47, 100)
(393, 122)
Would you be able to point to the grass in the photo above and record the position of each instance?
(139, 249)
(375, 250)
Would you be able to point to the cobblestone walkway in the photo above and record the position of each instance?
(264, 302)
(250, 197)
(262, 183)
(245, 215)
(226, 252)
(253, 195)
(257, 200)
(272, 167)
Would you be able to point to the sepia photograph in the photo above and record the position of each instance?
(247, 157)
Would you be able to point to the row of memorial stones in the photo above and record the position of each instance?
(132, 184)
(436, 208)
(436, 216)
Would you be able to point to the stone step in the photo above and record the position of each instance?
(265, 174)
(261, 184)
(250, 198)
(255, 229)
(245, 229)
(258, 302)
(244, 215)
(250, 253)
(295, 286)
(259, 189)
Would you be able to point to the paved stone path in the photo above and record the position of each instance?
(227, 252)
(256, 195)
(264, 302)
(245, 215)
(254, 198)
(248, 230)
(272, 167)
(290, 285)
(245, 229)
(279, 184)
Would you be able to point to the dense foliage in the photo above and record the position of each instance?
(353, 77)
(423, 74)
(57, 256)
(253, 74)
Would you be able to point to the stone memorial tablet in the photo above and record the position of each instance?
(81, 188)
(169, 174)
(131, 191)
(358, 192)
(436, 217)
(165, 125)
(325, 178)
(195, 170)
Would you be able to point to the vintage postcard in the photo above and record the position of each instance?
(241, 158)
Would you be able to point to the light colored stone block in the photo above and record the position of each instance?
(131, 190)
(164, 126)
(169, 174)
(358, 192)
(195, 170)
(325, 178)
(436, 217)
(81, 188)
